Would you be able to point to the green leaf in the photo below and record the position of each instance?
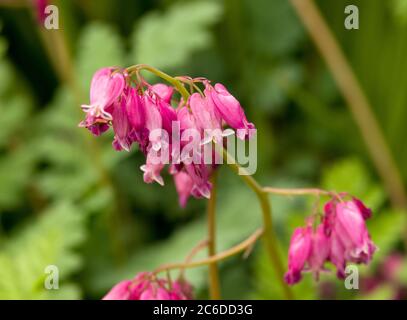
(351, 176)
(15, 171)
(166, 40)
(99, 46)
(50, 240)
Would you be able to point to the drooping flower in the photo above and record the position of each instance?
(106, 88)
(142, 113)
(206, 118)
(298, 254)
(163, 91)
(146, 286)
(121, 291)
(184, 185)
(230, 110)
(351, 230)
(121, 126)
(320, 249)
(152, 169)
(342, 237)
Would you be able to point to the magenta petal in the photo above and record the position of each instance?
(183, 184)
(120, 291)
(204, 112)
(298, 253)
(163, 91)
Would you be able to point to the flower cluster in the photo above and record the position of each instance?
(145, 286)
(144, 114)
(342, 237)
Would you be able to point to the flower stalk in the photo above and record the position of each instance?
(241, 247)
(269, 236)
(214, 286)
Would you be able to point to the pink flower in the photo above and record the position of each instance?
(319, 251)
(351, 230)
(199, 173)
(206, 117)
(136, 110)
(181, 290)
(342, 237)
(152, 169)
(230, 110)
(105, 90)
(298, 254)
(121, 126)
(146, 286)
(121, 291)
(163, 91)
(183, 184)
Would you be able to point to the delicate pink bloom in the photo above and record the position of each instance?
(105, 90)
(206, 117)
(298, 254)
(186, 119)
(147, 287)
(184, 185)
(136, 110)
(152, 170)
(181, 290)
(95, 125)
(351, 230)
(155, 293)
(121, 127)
(199, 173)
(344, 222)
(337, 255)
(163, 91)
(168, 116)
(230, 110)
(120, 291)
(319, 251)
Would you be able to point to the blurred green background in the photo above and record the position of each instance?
(68, 199)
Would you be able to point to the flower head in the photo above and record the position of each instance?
(230, 110)
(146, 286)
(143, 114)
(298, 254)
(105, 90)
(342, 237)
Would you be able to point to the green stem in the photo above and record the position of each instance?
(243, 246)
(214, 287)
(176, 83)
(269, 236)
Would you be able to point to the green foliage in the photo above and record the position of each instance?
(351, 176)
(50, 240)
(386, 229)
(99, 46)
(167, 40)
